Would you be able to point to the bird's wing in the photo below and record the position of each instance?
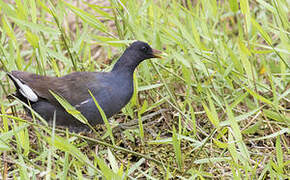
(73, 87)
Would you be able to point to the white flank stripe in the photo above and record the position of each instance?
(84, 102)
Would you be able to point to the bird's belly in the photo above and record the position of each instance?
(111, 102)
(47, 111)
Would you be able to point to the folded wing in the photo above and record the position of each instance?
(73, 87)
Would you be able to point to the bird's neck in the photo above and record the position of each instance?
(125, 64)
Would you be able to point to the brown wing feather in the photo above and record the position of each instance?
(63, 86)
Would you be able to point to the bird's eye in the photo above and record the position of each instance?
(144, 49)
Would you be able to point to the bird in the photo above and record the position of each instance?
(112, 90)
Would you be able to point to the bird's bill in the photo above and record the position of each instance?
(156, 53)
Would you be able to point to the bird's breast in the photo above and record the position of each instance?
(115, 95)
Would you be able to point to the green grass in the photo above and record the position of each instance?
(217, 106)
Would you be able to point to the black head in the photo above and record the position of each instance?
(143, 50)
(134, 55)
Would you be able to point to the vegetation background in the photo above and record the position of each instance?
(217, 106)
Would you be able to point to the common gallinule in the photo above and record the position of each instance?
(112, 90)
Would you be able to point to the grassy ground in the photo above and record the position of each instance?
(217, 106)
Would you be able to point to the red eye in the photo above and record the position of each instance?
(144, 49)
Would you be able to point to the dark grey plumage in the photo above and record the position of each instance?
(113, 89)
